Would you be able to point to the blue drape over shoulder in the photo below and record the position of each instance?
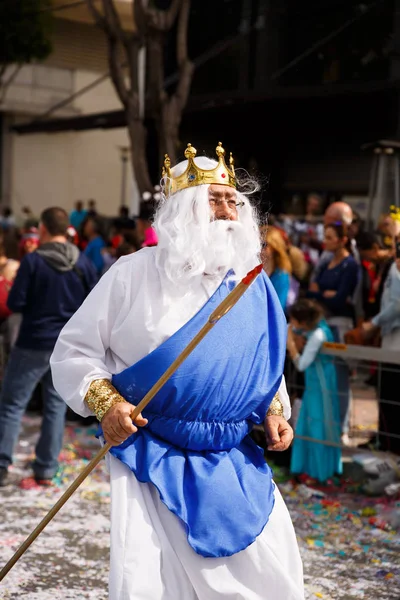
(196, 449)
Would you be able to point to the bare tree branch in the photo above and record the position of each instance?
(108, 20)
(132, 52)
(4, 85)
(140, 17)
(151, 26)
(98, 17)
(162, 20)
(113, 20)
(182, 34)
(186, 67)
(116, 71)
(183, 87)
(155, 60)
(3, 68)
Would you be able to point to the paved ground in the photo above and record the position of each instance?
(346, 555)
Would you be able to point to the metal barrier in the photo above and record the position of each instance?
(374, 407)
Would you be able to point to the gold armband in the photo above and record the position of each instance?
(101, 396)
(275, 408)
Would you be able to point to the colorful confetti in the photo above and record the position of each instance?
(348, 543)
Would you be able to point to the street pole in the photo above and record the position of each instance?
(124, 150)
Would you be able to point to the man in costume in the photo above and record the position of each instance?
(195, 514)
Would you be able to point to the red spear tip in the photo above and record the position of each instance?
(251, 275)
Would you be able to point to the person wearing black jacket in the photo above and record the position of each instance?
(50, 285)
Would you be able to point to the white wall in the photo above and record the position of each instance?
(60, 168)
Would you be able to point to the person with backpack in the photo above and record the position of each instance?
(50, 285)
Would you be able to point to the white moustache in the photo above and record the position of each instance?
(222, 226)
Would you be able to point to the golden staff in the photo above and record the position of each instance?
(221, 310)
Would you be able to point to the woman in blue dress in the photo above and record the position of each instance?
(319, 414)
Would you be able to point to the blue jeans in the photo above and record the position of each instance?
(25, 369)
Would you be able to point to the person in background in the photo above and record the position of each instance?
(337, 279)
(309, 232)
(388, 322)
(29, 242)
(299, 268)
(319, 413)
(384, 231)
(8, 271)
(147, 234)
(92, 208)
(356, 227)
(126, 248)
(124, 222)
(334, 288)
(300, 273)
(8, 266)
(128, 245)
(28, 219)
(92, 231)
(7, 219)
(72, 236)
(373, 261)
(313, 208)
(337, 212)
(276, 263)
(78, 215)
(50, 285)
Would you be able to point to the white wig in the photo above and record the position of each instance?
(192, 244)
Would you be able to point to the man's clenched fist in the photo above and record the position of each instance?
(117, 424)
(278, 433)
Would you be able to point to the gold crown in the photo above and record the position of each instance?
(395, 213)
(193, 175)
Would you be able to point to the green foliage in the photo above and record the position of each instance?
(25, 28)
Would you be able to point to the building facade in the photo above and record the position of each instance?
(42, 170)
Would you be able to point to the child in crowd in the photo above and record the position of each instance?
(319, 413)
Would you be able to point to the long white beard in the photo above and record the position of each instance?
(224, 247)
(227, 248)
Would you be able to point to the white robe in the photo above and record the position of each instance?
(125, 318)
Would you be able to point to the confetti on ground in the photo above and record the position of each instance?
(349, 548)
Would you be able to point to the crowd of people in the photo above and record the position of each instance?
(342, 285)
(48, 266)
(335, 280)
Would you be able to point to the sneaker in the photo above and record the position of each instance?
(3, 476)
(34, 483)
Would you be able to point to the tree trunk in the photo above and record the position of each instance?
(137, 135)
(169, 129)
(152, 25)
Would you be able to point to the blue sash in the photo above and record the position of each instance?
(196, 449)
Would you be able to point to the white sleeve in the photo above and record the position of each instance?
(79, 356)
(311, 349)
(285, 400)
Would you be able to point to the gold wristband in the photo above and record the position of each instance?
(275, 408)
(101, 396)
